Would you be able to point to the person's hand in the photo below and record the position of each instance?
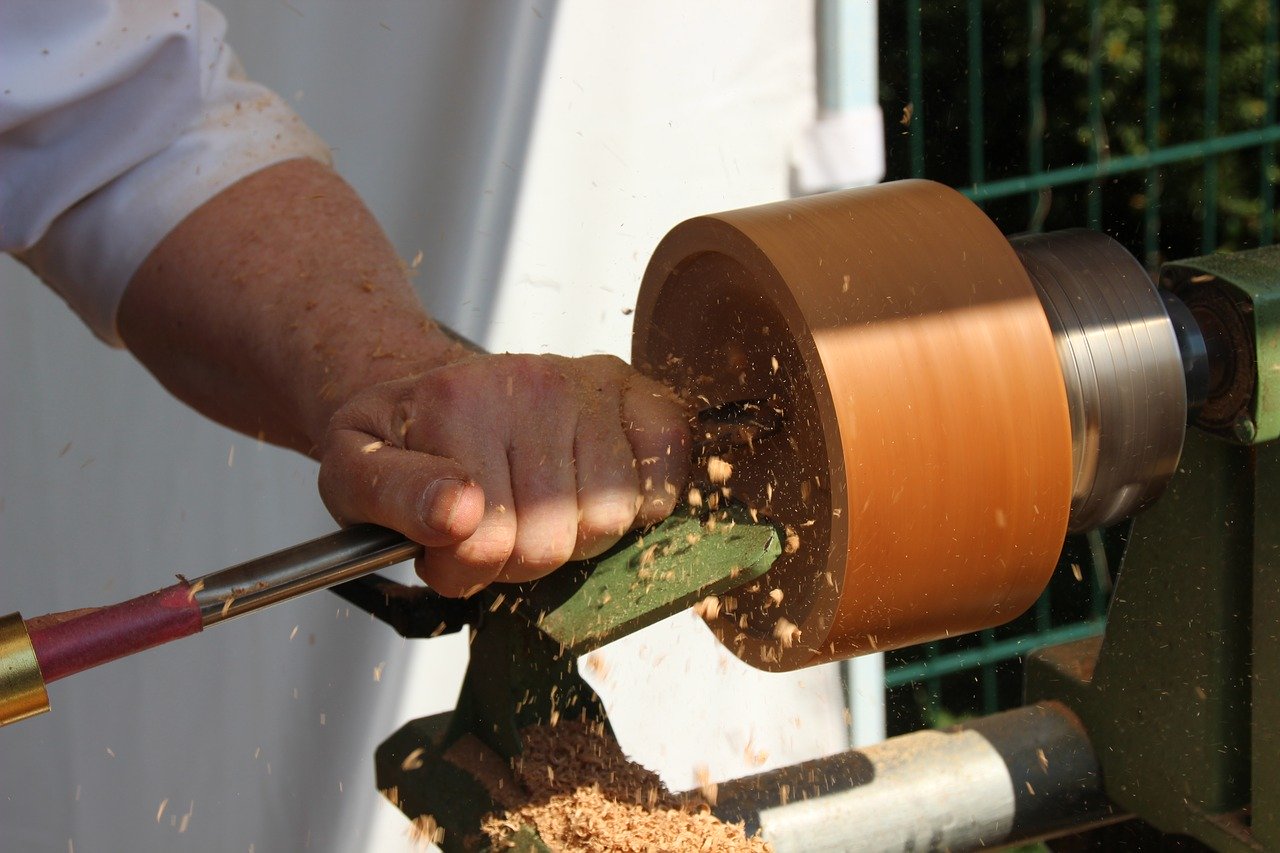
(507, 466)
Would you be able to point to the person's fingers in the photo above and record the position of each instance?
(657, 427)
(608, 488)
(428, 498)
(469, 566)
(521, 464)
(543, 493)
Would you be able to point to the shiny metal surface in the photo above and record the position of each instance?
(22, 692)
(320, 563)
(1123, 371)
(1194, 349)
(1011, 777)
(931, 790)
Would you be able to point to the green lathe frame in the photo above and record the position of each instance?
(1181, 696)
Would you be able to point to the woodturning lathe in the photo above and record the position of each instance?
(944, 405)
(952, 404)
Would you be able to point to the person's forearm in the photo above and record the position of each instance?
(279, 308)
(273, 303)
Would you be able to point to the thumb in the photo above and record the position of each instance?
(429, 499)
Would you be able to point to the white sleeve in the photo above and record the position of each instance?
(118, 118)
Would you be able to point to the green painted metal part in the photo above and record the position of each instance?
(1265, 723)
(1253, 279)
(651, 577)
(524, 651)
(1164, 694)
(1181, 696)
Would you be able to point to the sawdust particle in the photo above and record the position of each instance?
(708, 608)
(424, 830)
(718, 470)
(413, 761)
(786, 632)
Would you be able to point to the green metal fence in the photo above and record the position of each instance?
(1155, 122)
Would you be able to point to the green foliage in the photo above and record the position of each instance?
(1075, 128)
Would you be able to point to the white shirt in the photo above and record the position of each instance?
(117, 119)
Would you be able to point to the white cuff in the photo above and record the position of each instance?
(91, 252)
(112, 150)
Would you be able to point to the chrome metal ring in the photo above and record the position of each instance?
(1122, 367)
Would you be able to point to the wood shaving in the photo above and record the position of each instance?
(706, 787)
(413, 761)
(792, 543)
(708, 608)
(598, 665)
(185, 820)
(424, 830)
(584, 796)
(648, 556)
(786, 632)
(718, 470)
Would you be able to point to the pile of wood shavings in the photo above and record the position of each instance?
(584, 796)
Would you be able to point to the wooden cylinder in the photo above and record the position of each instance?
(924, 464)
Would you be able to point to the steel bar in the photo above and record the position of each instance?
(953, 662)
(1151, 135)
(1040, 199)
(1212, 91)
(1128, 163)
(1270, 75)
(1097, 129)
(1020, 775)
(977, 130)
(915, 89)
(313, 565)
